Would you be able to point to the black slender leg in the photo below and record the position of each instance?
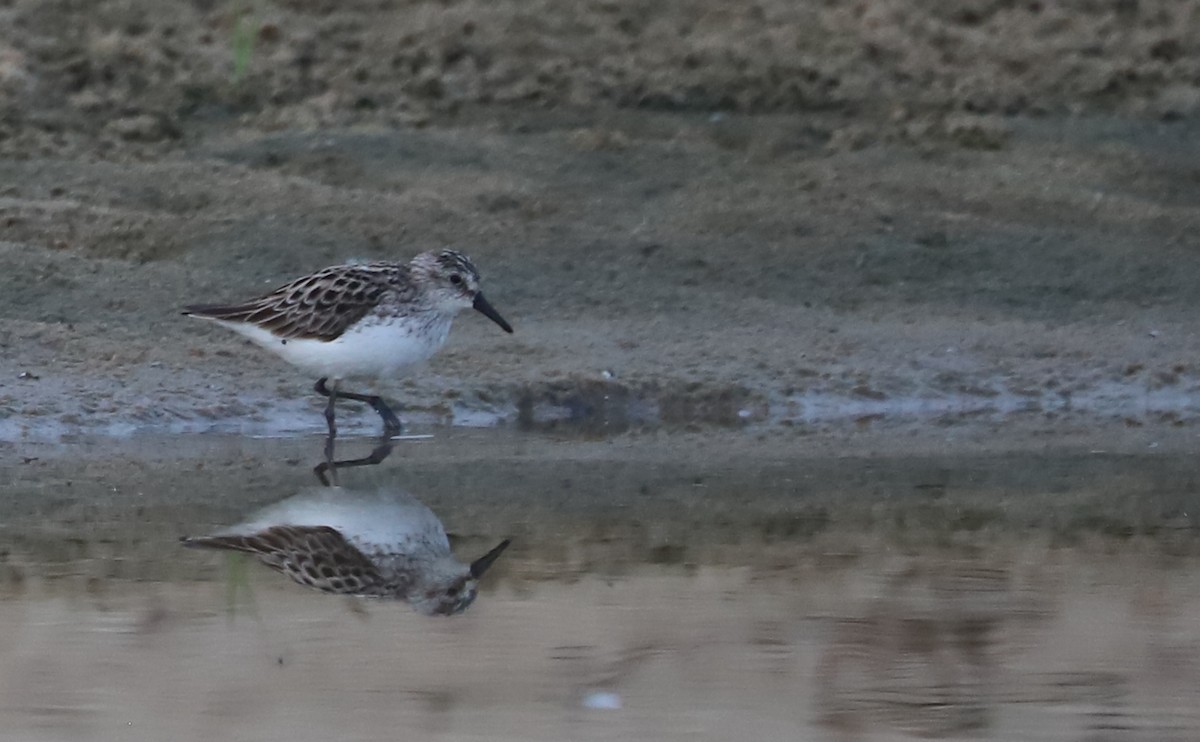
(381, 452)
(391, 423)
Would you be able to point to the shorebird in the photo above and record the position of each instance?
(366, 320)
(382, 544)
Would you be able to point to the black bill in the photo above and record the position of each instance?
(487, 310)
(480, 565)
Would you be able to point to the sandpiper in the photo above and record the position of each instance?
(382, 544)
(366, 320)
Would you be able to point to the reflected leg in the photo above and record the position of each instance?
(329, 416)
(380, 452)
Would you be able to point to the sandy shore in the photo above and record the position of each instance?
(688, 223)
(853, 392)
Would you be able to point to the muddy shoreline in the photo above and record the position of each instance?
(853, 393)
(624, 323)
(799, 222)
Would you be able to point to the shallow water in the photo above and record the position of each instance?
(652, 591)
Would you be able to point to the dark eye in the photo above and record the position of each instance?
(455, 279)
(454, 590)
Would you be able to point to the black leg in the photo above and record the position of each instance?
(376, 456)
(391, 423)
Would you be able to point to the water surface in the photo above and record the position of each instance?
(653, 591)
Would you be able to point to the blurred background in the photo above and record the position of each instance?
(853, 393)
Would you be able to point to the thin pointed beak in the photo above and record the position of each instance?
(480, 565)
(481, 305)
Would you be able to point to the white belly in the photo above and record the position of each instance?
(363, 351)
(389, 519)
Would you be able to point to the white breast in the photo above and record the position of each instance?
(387, 519)
(365, 350)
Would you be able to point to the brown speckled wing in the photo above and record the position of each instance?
(315, 556)
(320, 306)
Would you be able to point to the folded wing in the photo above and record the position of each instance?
(320, 306)
(315, 556)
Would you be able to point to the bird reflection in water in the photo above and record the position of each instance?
(375, 544)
